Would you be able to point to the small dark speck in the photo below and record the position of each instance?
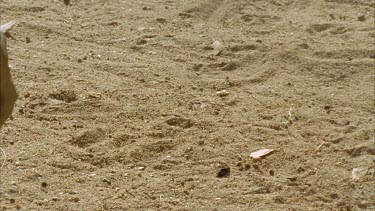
(44, 184)
(362, 18)
(66, 2)
(224, 172)
(327, 107)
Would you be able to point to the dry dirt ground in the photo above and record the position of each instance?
(119, 108)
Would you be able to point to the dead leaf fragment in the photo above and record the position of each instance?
(358, 173)
(218, 47)
(261, 153)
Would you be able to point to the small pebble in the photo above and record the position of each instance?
(222, 93)
(75, 199)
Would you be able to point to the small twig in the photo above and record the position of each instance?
(288, 120)
(258, 100)
(360, 146)
(129, 192)
(249, 92)
(290, 113)
(317, 149)
(5, 157)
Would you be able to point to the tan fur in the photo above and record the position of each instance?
(8, 92)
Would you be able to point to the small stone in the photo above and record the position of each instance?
(75, 199)
(141, 168)
(28, 40)
(222, 93)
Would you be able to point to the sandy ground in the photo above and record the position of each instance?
(125, 105)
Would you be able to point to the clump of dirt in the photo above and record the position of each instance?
(88, 137)
(64, 95)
